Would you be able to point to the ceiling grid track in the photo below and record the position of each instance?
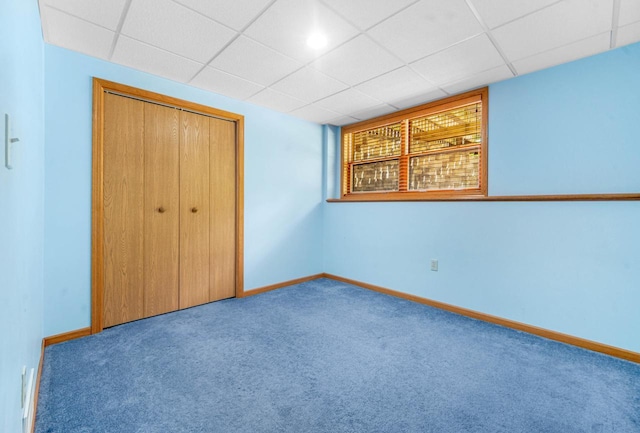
(487, 31)
(614, 24)
(382, 56)
(239, 33)
(123, 17)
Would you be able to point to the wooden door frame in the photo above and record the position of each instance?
(101, 86)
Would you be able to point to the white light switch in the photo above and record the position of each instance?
(434, 265)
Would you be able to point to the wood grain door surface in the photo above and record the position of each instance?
(169, 209)
(194, 209)
(162, 209)
(123, 210)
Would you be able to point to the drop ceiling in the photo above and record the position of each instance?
(381, 56)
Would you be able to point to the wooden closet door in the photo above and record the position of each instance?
(161, 209)
(223, 209)
(194, 209)
(123, 200)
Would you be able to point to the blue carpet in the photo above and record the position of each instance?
(325, 356)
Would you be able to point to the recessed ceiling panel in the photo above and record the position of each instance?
(365, 13)
(172, 27)
(395, 85)
(276, 101)
(356, 61)
(480, 79)
(563, 23)
(426, 27)
(343, 120)
(309, 85)
(254, 62)
(460, 61)
(498, 12)
(231, 13)
(419, 99)
(144, 57)
(629, 12)
(370, 113)
(576, 50)
(287, 25)
(381, 54)
(628, 34)
(78, 35)
(225, 84)
(104, 13)
(316, 114)
(348, 101)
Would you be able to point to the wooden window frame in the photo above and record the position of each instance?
(404, 117)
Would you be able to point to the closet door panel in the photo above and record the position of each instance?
(162, 209)
(194, 209)
(223, 209)
(123, 184)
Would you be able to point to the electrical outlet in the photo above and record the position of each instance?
(434, 264)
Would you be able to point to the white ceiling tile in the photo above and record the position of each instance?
(75, 34)
(104, 13)
(348, 101)
(629, 12)
(370, 113)
(497, 12)
(356, 61)
(287, 24)
(419, 99)
(316, 114)
(426, 27)
(254, 62)
(173, 27)
(230, 13)
(276, 101)
(365, 13)
(176, 38)
(138, 55)
(309, 85)
(342, 120)
(460, 61)
(396, 85)
(478, 80)
(225, 84)
(566, 53)
(563, 23)
(628, 34)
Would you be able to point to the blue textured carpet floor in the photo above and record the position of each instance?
(324, 356)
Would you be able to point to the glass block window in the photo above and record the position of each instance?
(435, 149)
(376, 176)
(438, 138)
(374, 155)
(442, 171)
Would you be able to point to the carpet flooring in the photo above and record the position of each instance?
(325, 356)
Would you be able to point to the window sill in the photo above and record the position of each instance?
(359, 198)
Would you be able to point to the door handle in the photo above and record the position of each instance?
(161, 209)
(194, 209)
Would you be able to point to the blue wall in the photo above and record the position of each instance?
(572, 267)
(21, 203)
(283, 185)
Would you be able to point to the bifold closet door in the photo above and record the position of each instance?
(123, 209)
(169, 202)
(194, 209)
(161, 209)
(223, 209)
